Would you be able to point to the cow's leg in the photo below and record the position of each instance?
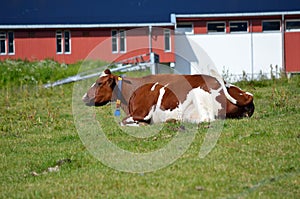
(129, 121)
(133, 120)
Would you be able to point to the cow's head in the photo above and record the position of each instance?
(101, 91)
(244, 106)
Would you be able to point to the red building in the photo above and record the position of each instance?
(248, 42)
(71, 43)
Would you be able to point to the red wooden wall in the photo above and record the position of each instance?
(292, 51)
(94, 43)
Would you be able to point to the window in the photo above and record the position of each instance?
(167, 36)
(293, 25)
(114, 41)
(271, 25)
(238, 26)
(2, 43)
(11, 46)
(216, 27)
(59, 42)
(63, 42)
(117, 36)
(7, 43)
(67, 42)
(186, 28)
(122, 41)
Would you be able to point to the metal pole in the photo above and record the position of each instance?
(252, 56)
(152, 59)
(150, 39)
(283, 42)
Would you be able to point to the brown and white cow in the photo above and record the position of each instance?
(163, 97)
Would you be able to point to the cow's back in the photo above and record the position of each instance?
(178, 84)
(172, 97)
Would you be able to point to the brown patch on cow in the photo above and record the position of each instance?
(242, 97)
(145, 98)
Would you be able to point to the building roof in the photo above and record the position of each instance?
(68, 12)
(246, 14)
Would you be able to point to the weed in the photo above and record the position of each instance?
(17, 72)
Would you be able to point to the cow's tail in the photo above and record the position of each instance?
(223, 86)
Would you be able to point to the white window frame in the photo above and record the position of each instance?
(167, 32)
(292, 30)
(114, 37)
(184, 30)
(7, 43)
(262, 26)
(122, 40)
(233, 32)
(216, 22)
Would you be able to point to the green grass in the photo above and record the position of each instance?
(253, 158)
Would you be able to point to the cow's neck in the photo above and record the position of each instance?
(123, 91)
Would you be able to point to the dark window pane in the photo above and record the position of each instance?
(2, 46)
(238, 26)
(59, 42)
(114, 41)
(293, 25)
(2, 42)
(67, 42)
(122, 41)
(167, 40)
(216, 27)
(271, 25)
(11, 42)
(184, 28)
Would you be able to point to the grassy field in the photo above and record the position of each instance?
(42, 155)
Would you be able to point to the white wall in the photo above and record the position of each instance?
(267, 50)
(228, 52)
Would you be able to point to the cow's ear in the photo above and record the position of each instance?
(107, 71)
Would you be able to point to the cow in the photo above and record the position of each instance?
(164, 97)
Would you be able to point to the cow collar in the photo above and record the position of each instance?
(119, 96)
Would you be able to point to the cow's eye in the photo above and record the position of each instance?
(98, 83)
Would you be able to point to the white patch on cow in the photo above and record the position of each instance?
(153, 87)
(158, 104)
(228, 96)
(129, 122)
(162, 92)
(148, 117)
(249, 94)
(199, 106)
(103, 74)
